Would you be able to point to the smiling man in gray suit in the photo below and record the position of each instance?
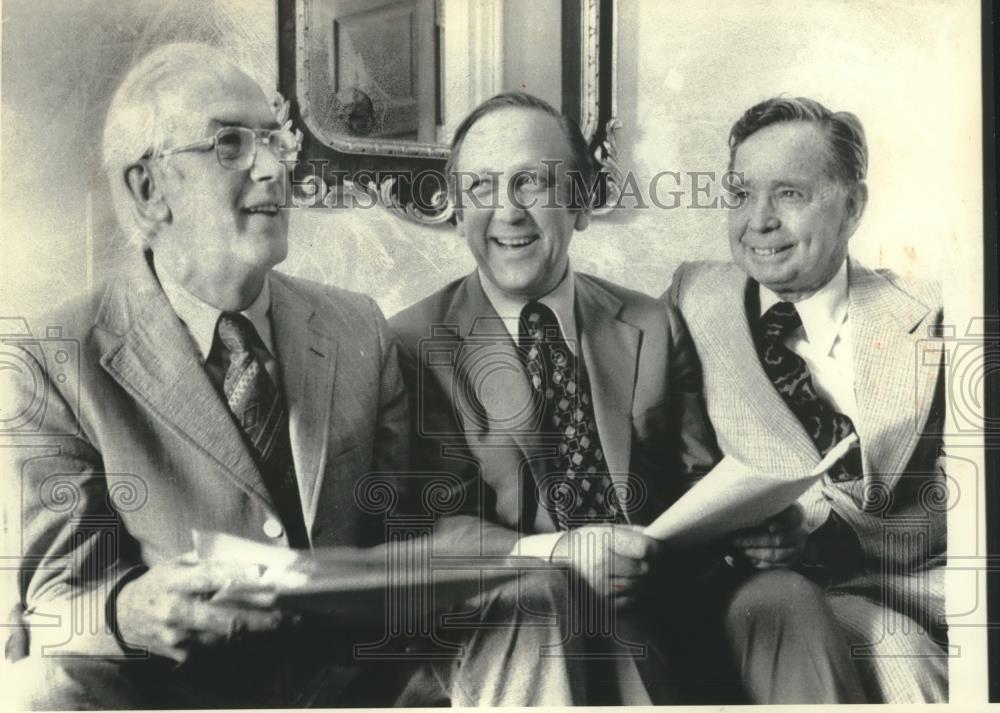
(565, 409)
(802, 346)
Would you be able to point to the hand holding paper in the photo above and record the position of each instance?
(733, 496)
(172, 608)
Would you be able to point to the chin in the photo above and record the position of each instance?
(263, 260)
(275, 247)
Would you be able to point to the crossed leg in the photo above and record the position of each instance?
(788, 644)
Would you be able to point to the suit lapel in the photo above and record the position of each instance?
(307, 352)
(892, 406)
(610, 354)
(491, 367)
(154, 358)
(732, 347)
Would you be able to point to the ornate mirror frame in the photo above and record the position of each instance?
(406, 177)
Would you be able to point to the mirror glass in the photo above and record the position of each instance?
(396, 76)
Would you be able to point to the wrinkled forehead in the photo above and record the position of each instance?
(515, 135)
(793, 150)
(203, 101)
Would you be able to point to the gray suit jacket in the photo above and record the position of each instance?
(473, 426)
(134, 447)
(899, 389)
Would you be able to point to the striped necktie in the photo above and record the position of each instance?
(259, 409)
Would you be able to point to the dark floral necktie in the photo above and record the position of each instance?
(581, 491)
(790, 376)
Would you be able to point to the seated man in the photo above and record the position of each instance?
(207, 392)
(802, 346)
(555, 401)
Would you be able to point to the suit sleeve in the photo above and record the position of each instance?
(461, 505)
(72, 550)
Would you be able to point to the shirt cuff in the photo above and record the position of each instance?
(815, 507)
(111, 610)
(540, 546)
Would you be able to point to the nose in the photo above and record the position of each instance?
(266, 166)
(511, 209)
(763, 217)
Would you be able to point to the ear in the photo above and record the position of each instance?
(149, 205)
(582, 219)
(857, 199)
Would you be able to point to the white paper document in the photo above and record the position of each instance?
(349, 582)
(734, 496)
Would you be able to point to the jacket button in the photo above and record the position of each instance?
(272, 528)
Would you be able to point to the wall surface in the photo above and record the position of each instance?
(684, 75)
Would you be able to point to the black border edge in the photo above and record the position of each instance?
(991, 310)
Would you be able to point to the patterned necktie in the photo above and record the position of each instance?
(790, 376)
(582, 492)
(258, 408)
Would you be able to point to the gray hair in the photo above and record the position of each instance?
(140, 116)
(847, 148)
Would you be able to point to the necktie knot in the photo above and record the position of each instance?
(236, 332)
(538, 324)
(779, 321)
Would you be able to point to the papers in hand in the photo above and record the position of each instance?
(355, 584)
(734, 496)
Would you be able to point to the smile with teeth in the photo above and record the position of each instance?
(514, 242)
(768, 252)
(268, 208)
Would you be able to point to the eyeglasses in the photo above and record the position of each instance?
(236, 146)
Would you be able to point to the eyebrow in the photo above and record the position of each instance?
(219, 122)
(541, 168)
(739, 179)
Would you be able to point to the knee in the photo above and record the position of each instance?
(776, 596)
(531, 593)
(50, 683)
(37, 683)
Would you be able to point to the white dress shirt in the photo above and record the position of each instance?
(200, 319)
(824, 343)
(561, 301)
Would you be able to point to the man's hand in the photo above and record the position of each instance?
(777, 543)
(167, 608)
(613, 559)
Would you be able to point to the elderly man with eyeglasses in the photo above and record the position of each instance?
(197, 390)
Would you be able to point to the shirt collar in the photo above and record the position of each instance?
(560, 300)
(822, 314)
(201, 318)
